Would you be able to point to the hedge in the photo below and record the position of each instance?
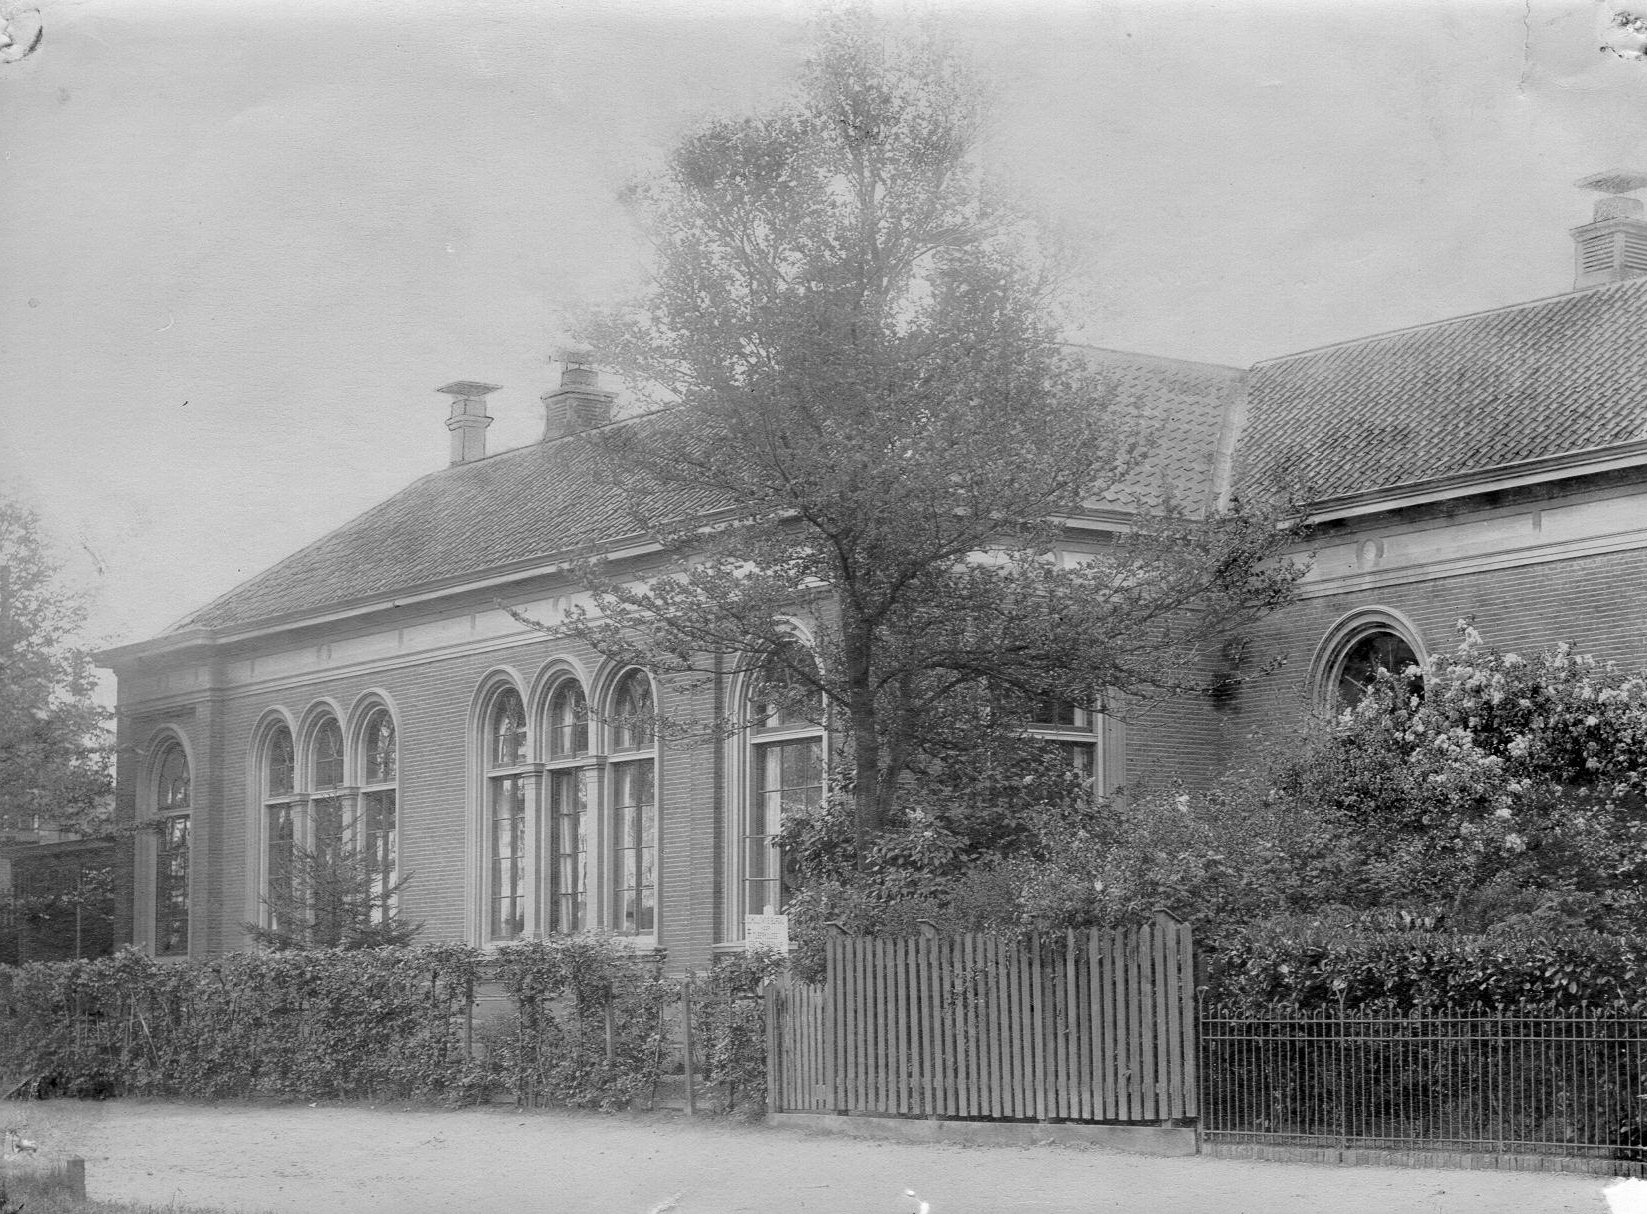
(585, 1024)
(1319, 967)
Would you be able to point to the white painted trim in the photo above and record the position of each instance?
(1485, 563)
(1563, 466)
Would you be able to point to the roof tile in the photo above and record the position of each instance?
(523, 507)
(1547, 378)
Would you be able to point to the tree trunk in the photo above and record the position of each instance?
(866, 742)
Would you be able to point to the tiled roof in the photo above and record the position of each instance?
(1184, 408)
(492, 514)
(1548, 378)
(516, 508)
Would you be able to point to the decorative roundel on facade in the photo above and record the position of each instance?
(1356, 648)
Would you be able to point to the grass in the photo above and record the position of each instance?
(49, 1193)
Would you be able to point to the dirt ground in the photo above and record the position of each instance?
(362, 1160)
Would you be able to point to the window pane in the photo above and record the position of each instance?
(1052, 711)
(380, 748)
(789, 776)
(174, 780)
(329, 755)
(1362, 662)
(281, 843)
(568, 722)
(633, 713)
(508, 855)
(569, 835)
(1079, 755)
(377, 846)
(328, 825)
(282, 763)
(171, 887)
(783, 695)
(508, 731)
(634, 823)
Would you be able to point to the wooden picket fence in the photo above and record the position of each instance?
(1094, 1026)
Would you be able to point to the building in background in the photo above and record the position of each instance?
(1492, 466)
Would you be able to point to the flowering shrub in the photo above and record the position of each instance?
(1484, 791)
(1510, 772)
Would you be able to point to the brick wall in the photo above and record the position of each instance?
(1597, 602)
(433, 702)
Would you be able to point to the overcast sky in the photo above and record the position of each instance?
(243, 242)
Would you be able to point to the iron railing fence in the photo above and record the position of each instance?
(1531, 1082)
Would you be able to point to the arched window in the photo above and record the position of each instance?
(378, 829)
(171, 856)
(570, 781)
(634, 806)
(1356, 648)
(785, 713)
(281, 827)
(506, 776)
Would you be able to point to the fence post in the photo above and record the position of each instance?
(769, 994)
(75, 1170)
(1342, 1078)
(686, 1044)
(469, 1018)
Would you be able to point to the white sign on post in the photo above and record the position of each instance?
(766, 931)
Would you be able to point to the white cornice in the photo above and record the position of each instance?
(1458, 566)
(195, 638)
(1564, 466)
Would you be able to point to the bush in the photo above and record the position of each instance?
(729, 1028)
(1320, 965)
(589, 1025)
(379, 1023)
(588, 1029)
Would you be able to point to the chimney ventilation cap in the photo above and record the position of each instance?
(467, 389)
(1614, 181)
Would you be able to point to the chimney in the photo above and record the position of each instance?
(469, 420)
(1612, 246)
(580, 403)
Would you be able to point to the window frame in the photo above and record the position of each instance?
(291, 802)
(164, 814)
(631, 747)
(570, 762)
(768, 732)
(375, 788)
(497, 772)
(1348, 631)
(1081, 735)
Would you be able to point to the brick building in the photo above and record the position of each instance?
(1492, 465)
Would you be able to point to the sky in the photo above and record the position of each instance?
(242, 243)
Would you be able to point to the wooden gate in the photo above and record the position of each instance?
(1087, 1026)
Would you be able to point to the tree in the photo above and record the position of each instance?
(54, 747)
(333, 894)
(873, 425)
